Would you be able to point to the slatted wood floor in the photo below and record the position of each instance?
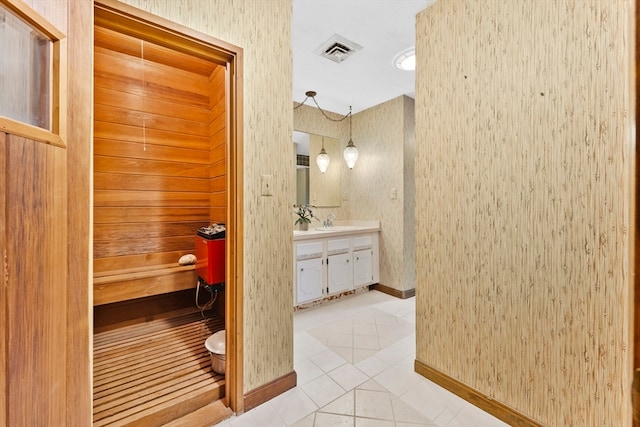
(150, 374)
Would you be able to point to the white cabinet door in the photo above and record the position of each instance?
(362, 268)
(308, 280)
(340, 273)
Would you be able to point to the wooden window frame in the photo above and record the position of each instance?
(57, 135)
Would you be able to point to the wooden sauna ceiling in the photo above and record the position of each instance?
(119, 42)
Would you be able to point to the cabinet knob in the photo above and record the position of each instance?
(302, 269)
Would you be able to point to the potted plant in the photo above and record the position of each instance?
(305, 214)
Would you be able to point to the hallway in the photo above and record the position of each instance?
(354, 359)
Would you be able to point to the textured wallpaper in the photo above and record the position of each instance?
(381, 134)
(268, 126)
(523, 157)
(384, 136)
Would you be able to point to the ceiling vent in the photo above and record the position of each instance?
(337, 48)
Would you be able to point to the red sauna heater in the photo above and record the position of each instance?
(210, 254)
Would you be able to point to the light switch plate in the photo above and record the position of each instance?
(394, 193)
(266, 185)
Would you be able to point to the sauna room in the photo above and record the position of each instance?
(160, 193)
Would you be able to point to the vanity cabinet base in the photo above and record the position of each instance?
(333, 266)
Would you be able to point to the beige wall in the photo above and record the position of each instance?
(268, 126)
(524, 151)
(384, 136)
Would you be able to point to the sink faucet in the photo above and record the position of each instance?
(329, 221)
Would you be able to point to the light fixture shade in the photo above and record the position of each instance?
(406, 60)
(351, 154)
(323, 160)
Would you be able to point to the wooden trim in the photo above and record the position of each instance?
(635, 398)
(394, 292)
(4, 310)
(206, 416)
(78, 102)
(633, 249)
(476, 398)
(30, 132)
(270, 390)
(138, 23)
(57, 135)
(234, 302)
(34, 19)
(59, 90)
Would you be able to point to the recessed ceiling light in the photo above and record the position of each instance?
(406, 60)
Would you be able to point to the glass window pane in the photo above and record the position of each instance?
(25, 71)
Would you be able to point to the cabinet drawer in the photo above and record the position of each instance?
(362, 242)
(338, 246)
(309, 250)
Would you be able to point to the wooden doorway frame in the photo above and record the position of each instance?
(634, 218)
(138, 23)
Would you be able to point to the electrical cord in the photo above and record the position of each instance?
(208, 305)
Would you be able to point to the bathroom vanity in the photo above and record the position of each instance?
(329, 261)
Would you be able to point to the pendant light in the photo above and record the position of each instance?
(350, 152)
(323, 159)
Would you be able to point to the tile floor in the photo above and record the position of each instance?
(354, 359)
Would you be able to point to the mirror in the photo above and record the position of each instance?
(312, 186)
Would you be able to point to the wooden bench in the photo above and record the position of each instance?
(127, 284)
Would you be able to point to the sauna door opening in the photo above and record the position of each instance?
(166, 161)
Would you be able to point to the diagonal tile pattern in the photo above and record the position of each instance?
(354, 359)
(362, 334)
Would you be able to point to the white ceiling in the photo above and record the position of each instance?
(384, 28)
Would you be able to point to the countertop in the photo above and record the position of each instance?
(339, 228)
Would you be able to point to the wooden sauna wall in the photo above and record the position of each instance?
(159, 164)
